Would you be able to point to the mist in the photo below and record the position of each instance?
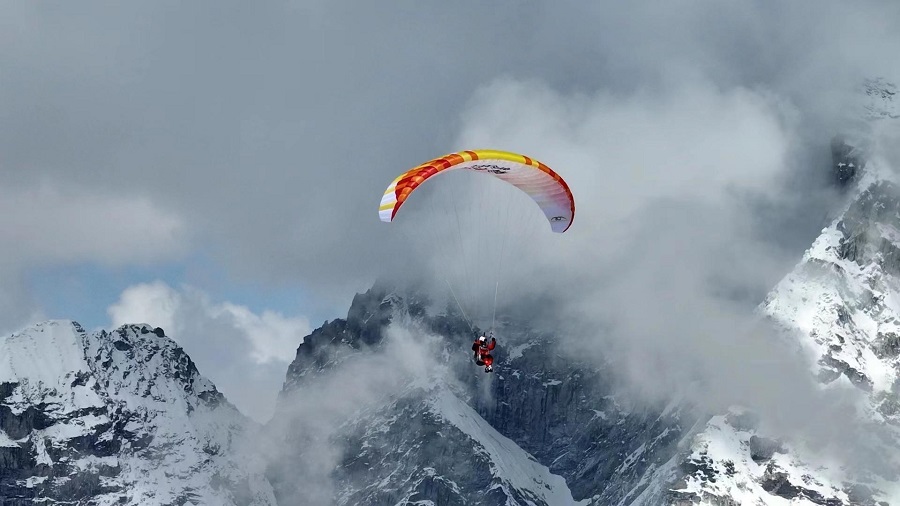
(693, 200)
(694, 136)
(244, 353)
(306, 435)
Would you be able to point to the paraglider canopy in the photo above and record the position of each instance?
(488, 228)
(542, 184)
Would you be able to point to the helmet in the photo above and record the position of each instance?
(483, 338)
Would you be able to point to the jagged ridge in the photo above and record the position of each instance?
(120, 417)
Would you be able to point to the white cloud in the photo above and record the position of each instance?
(662, 115)
(242, 352)
(665, 260)
(663, 179)
(155, 303)
(50, 223)
(691, 140)
(306, 451)
(17, 307)
(277, 195)
(274, 336)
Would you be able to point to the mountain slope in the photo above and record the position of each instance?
(840, 308)
(120, 417)
(409, 419)
(407, 432)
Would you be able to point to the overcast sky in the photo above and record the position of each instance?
(214, 168)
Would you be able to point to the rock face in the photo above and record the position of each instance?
(120, 417)
(548, 430)
(540, 430)
(570, 416)
(841, 307)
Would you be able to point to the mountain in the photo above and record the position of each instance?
(120, 417)
(541, 430)
(548, 429)
(840, 308)
(385, 406)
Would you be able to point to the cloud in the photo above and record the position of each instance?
(693, 140)
(690, 132)
(687, 199)
(52, 223)
(48, 224)
(18, 308)
(668, 180)
(307, 430)
(272, 149)
(244, 353)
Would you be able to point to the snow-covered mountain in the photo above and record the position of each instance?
(120, 417)
(840, 307)
(549, 430)
(542, 430)
(385, 406)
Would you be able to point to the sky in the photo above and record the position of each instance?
(214, 168)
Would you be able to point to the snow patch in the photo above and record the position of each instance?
(518, 350)
(508, 461)
(6, 442)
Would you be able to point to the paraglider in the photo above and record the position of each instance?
(482, 349)
(545, 187)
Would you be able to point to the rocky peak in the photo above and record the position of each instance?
(870, 228)
(118, 417)
(839, 307)
(845, 162)
(135, 357)
(542, 429)
(369, 314)
(329, 344)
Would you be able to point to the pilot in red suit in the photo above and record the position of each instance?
(482, 349)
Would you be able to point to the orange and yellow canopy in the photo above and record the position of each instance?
(541, 183)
